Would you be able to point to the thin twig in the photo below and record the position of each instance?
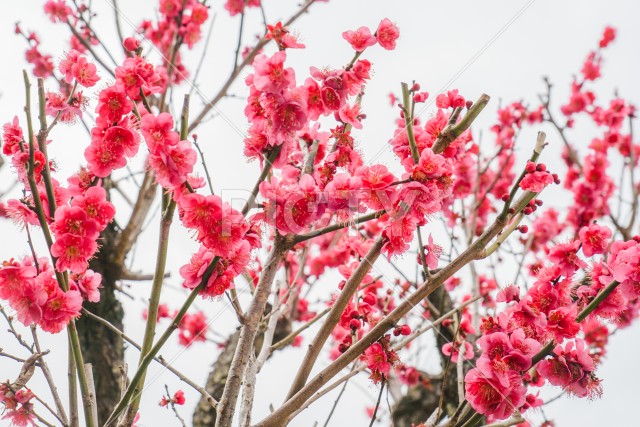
(375, 410)
(158, 358)
(61, 414)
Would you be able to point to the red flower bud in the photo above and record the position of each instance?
(370, 299)
(354, 324)
(131, 44)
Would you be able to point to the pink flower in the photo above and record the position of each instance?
(431, 166)
(21, 417)
(237, 6)
(565, 255)
(192, 327)
(131, 44)
(359, 39)
(508, 294)
(489, 397)
(12, 136)
(28, 302)
(13, 275)
(74, 220)
(613, 305)
(270, 75)
(282, 37)
(199, 13)
(343, 193)
(219, 227)
(608, 36)
(57, 10)
(377, 179)
(398, 234)
(85, 73)
(572, 369)
(94, 203)
(113, 104)
(376, 359)
(192, 272)
(591, 67)
(594, 239)
(561, 323)
(80, 182)
(66, 64)
(89, 285)
(624, 262)
(451, 99)
(504, 355)
(173, 163)
(73, 252)
(536, 181)
(21, 214)
(60, 309)
(351, 114)
(57, 106)
(292, 207)
(103, 158)
(288, 117)
(578, 101)
(454, 350)
(178, 397)
(387, 34)
(158, 131)
(222, 277)
(136, 75)
(432, 253)
(120, 137)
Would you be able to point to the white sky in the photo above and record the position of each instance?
(501, 48)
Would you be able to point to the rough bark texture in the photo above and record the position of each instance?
(420, 401)
(100, 346)
(204, 414)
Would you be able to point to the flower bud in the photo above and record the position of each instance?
(354, 324)
(131, 44)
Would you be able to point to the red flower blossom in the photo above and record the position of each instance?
(359, 39)
(594, 239)
(270, 75)
(387, 34)
(489, 397)
(536, 181)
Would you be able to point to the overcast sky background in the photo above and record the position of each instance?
(501, 48)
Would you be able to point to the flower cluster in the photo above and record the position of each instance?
(177, 399)
(18, 405)
(172, 160)
(178, 20)
(31, 289)
(547, 313)
(113, 138)
(42, 63)
(192, 328)
(386, 35)
(380, 358)
(235, 7)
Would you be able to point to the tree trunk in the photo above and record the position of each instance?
(421, 401)
(204, 414)
(100, 346)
